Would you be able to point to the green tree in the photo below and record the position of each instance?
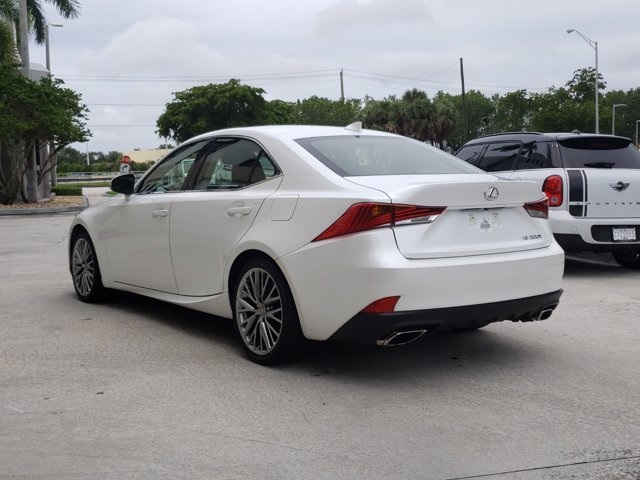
(413, 115)
(558, 111)
(626, 117)
(281, 113)
(512, 112)
(418, 115)
(31, 113)
(201, 109)
(479, 111)
(386, 114)
(582, 86)
(69, 155)
(323, 111)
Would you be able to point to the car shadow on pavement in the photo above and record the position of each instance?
(595, 265)
(437, 355)
(183, 319)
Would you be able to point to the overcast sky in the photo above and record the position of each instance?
(127, 57)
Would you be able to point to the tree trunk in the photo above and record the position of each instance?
(11, 171)
(31, 174)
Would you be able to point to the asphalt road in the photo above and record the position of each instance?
(135, 389)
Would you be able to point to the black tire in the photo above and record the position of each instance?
(628, 258)
(265, 315)
(85, 270)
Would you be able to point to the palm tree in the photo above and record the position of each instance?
(10, 43)
(37, 20)
(8, 53)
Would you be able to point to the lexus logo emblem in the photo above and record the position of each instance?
(620, 186)
(491, 193)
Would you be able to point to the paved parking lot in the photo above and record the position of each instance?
(135, 389)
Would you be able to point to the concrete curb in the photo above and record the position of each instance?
(4, 212)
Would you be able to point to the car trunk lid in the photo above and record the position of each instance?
(484, 214)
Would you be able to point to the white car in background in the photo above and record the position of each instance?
(322, 233)
(592, 181)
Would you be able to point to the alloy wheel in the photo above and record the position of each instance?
(259, 311)
(83, 267)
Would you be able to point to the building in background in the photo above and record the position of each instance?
(150, 156)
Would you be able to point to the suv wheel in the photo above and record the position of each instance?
(628, 258)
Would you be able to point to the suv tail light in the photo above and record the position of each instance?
(553, 189)
(539, 209)
(367, 216)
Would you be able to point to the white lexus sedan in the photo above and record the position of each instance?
(322, 233)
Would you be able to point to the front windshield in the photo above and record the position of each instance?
(380, 155)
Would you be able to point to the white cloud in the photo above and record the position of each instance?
(506, 44)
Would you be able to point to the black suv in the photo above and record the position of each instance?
(592, 183)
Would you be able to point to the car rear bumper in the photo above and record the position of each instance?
(334, 280)
(576, 244)
(590, 234)
(372, 328)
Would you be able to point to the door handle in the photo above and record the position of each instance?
(238, 211)
(159, 213)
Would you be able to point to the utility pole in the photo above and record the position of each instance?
(464, 103)
(341, 85)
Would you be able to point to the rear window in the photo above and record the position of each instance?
(500, 157)
(357, 156)
(592, 152)
(470, 153)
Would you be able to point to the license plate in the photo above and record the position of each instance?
(624, 234)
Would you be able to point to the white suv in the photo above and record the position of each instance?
(592, 182)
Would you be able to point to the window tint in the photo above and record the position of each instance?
(372, 155)
(233, 163)
(171, 173)
(471, 153)
(534, 155)
(500, 157)
(598, 152)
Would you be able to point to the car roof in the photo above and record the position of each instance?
(536, 137)
(293, 132)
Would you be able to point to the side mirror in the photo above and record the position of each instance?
(124, 183)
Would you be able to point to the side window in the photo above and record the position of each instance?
(171, 173)
(471, 153)
(500, 157)
(534, 155)
(233, 163)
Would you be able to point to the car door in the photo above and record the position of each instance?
(232, 181)
(137, 239)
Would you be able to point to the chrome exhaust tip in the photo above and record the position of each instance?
(400, 338)
(546, 312)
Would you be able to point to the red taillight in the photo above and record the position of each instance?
(384, 305)
(366, 216)
(553, 189)
(539, 209)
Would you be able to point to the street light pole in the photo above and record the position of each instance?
(54, 170)
(593, 45)
(613, 117)
(637, 146)
(46, 42)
